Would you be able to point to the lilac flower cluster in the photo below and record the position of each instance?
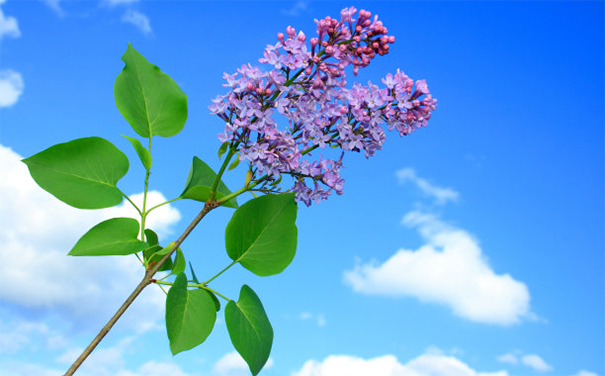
(306, 85)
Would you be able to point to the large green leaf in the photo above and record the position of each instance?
(116, 236)
(143, 153)
(82, 173)
(190, 316)
(149, 100)
(200, 181)
(249, 329)
(262, 234)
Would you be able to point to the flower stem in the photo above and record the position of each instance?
(144, 283)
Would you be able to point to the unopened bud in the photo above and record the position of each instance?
(291, 31)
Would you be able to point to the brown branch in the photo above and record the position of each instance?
(144, 283)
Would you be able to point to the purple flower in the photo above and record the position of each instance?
(305, 86)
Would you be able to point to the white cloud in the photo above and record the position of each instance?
(37, 231)
(139, 20)
(585, 373)
(8, 25)
(441, 195)
(11, 87)
(449, 269)
(388, 365)
(508, 358)
(536, 362)
(232, 364)
(319, 318)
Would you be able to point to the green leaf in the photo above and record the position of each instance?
(217, 304)
(143, 153)
(200, 181)
(157, 255)
(234, 164)
(190, 316)
(149, 100)
(179, 262)
(249, 329)
(151, 237)
(116, 236)
(222, 149)
(262, 234)
(82, 173)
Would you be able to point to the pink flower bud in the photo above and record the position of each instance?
(356, 38)
(318, 83)
(267, 91)
(280, 37)
(259, 90)
(314, 42)
(343, 110)
(291, 31)
(308, 71)
(301, 36)
(391, 39)
(329, 50)
(367, 23)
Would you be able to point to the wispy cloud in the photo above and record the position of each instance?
(8, 25)
(55, 5)
(297, 8)
(11, 87)
(449, 269)
(139, 20)
(441, 195)
(585, 373)
(530, 360)
(318, 318)
(113, 3)
(536, 362)
(11, 82)
(508, 358)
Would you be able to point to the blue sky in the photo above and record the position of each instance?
(472, 247)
